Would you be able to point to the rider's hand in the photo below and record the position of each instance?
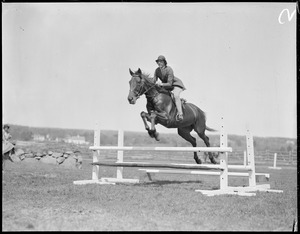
(158, 83)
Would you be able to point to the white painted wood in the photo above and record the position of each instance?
(240, 167)
(199, 172)
(224, 192)
(162, 171)
(84, 182)
(274, 164)
(250, 158)
(96, 153)
(193, 169)
(223, 158)
(175, 149)
(120, 154)
(161, 165)
(117, 180)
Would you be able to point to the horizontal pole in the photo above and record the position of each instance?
(240, 167)
(182, 149)
(83, 182)
(117, 180)
(181, 172)
(159, 165)
(245, 174)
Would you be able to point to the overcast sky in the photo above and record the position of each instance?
(66, 65)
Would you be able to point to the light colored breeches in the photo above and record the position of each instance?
(177, 92)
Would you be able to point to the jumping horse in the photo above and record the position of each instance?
(162, 110)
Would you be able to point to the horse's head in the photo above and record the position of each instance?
(136, 86)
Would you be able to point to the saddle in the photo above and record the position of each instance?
(168, 92)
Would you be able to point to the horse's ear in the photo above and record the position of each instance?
(131, 73)
(139, 71)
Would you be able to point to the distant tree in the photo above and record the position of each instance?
(282, 148)
(239, 142)
(289, 148)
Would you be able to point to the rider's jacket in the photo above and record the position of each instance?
(166, 75)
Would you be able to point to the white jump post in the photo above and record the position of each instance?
(274, 164)
(245, 158)
(223, 159)
(96, 154)
(120, 154)
(250, 168)
(224, 189)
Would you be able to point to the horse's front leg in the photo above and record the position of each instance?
(153, 129)
(146, 117)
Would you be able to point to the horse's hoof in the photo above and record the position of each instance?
(151, 133)
(156, 135)
(198, 161)
(213, 161)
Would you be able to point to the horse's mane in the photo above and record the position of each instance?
(150, 82)
(147, 78)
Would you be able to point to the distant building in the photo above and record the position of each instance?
(76, 140)
(37, 137)
(57, 139)
(288, 142)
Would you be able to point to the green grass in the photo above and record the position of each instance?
(42, 197)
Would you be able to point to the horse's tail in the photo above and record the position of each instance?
(210, 129)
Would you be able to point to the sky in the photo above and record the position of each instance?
(66, 65)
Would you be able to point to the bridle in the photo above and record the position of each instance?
(141, 92)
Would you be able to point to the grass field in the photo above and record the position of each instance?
(41, 197)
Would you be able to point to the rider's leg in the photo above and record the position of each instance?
(177, 92)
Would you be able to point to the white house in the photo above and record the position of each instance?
(37, 137)
(76, 140)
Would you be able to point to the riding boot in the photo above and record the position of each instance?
(179, 109)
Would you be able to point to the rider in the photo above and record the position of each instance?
(170, 82)
(7, 143)
(5, 133)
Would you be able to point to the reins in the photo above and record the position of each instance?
(142, 93)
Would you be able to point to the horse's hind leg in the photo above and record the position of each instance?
(185, 134)
(206, 141)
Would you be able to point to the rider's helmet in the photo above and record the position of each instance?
(161, 58)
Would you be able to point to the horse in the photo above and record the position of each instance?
(161, 109)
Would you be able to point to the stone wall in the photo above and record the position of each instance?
(67, 159)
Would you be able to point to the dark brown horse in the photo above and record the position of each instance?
(161, 109)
